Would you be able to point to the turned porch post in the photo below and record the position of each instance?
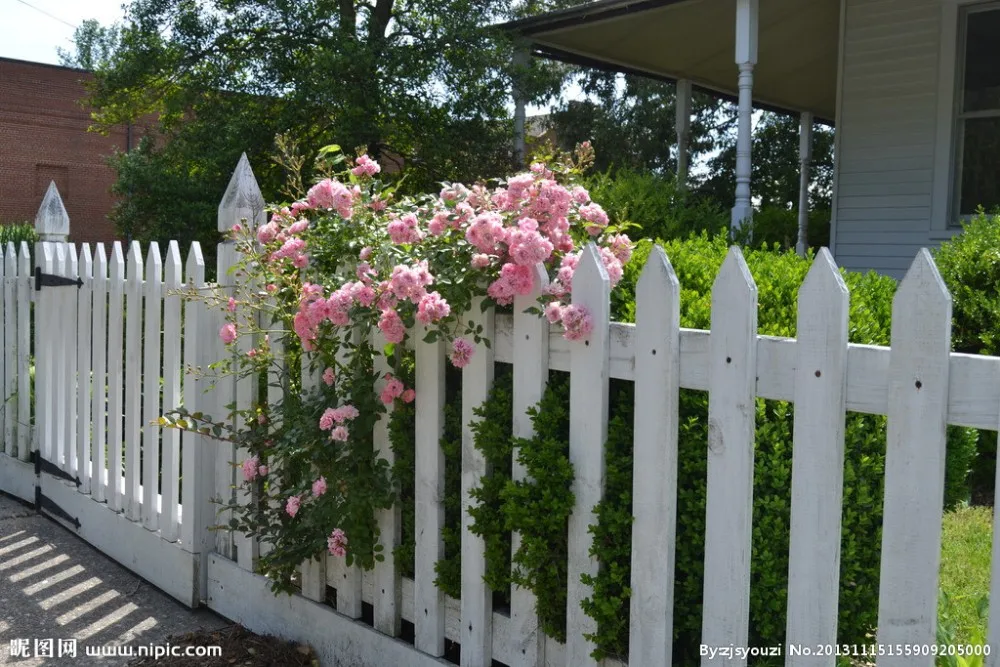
(805, 157)
(746, 58)
(520, 115)
(682, 105)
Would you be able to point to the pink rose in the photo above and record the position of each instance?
(228, 333)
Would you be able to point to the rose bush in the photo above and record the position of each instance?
(344, 274)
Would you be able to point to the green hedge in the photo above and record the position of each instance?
(17, 232)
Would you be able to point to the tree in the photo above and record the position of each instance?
(94, 45)
(422, 82)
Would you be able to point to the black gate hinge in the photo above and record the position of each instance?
(51, 280)
(43, 502)
(41, 465)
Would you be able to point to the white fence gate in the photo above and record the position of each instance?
(143, 496)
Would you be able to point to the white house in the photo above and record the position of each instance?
(912, 87)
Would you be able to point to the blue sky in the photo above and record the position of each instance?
(33, 29)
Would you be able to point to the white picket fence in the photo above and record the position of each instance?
(98, 391)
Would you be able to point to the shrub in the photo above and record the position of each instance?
(780, 226)
(778, 276)
(655, 204)
(970, 266)
(16, 233)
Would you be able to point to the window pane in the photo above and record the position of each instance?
(980, 165)
(982, 54)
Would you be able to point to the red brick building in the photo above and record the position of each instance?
(44, 137)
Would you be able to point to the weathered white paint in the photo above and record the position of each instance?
(242, 202)
(45, 341)
(746, 57)
(5, 417)
(98, 404)
(247, 546)
(588, 404)
(429, 495)
(17, 478)
(817, 462)
(914, 462)
(24, 408)
(729, 495)
(116, 366)
(314, 578)
(162, 563)
(531, 375)
(245, 598)
(52, 221)
(153, 295)
(477, 598)
(223, 394)
(805, 157)
(83, 369)
(60, 377)
(10, 350)
(654, 500)
(171, 438)
(133, 381)
(386, 598)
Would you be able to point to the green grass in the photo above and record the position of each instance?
(966, 542)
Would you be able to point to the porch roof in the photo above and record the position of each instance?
(695, 39)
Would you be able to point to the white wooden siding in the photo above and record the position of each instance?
(887, 126)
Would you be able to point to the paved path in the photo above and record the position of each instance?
(53, 585)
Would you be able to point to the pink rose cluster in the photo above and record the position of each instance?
(365, 166)
(394, 389)
(334, 420)
(252, 469)
(336, 544)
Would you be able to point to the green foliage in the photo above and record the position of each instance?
(970, 266)
(16, 233)
(778, 276)
(493, 434)
(773, 225)
(612, 544)
(654, 204)
(966, 542)
(539, 507)
(449, 568)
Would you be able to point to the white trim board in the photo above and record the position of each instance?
(244, 597)
(17, 478)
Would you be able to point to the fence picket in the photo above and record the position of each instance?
(68, 312)
(153, 303)
(60, 409)
(45, 353)
(388, 585)
(654, 504)
(116, 368)
(98, 403)
(83, 369)
(588, 406)
(477, 598)
(11, 426)
(24, 408)
(171, 443)
(197, 455)
(731, 417)
(133, 381)
(317, 570)
(914, 462)
(817, 461)
(531, 375)
(429, 496)
(223, 395)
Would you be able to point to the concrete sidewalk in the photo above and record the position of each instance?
(54, 586)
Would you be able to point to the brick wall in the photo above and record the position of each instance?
(43, 137)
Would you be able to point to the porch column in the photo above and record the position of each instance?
(746, 58)
(682, 104)
(805, 157)
(520, 115)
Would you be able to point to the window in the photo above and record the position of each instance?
(977, 167)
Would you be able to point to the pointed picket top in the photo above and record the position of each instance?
(52, 221)
(154, 263)
(100, 261)
(24, 259)
(172, 266)
(591, 279)
(823, 283)
(86, 263)
(116, 271)
(734, 275)
(539, 281)
(135, 262)
(657, 282)
(242, 200)
(922, 291)
(195, 267)
(10, 259)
